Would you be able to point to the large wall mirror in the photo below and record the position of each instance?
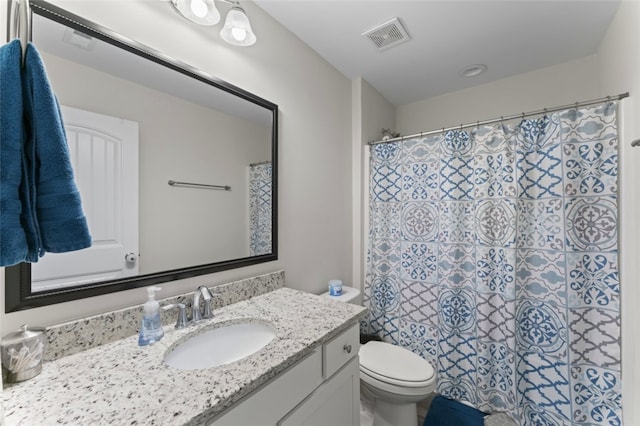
(176, 168)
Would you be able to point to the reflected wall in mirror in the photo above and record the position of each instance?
(177, 169)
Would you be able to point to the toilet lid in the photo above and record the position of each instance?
(394, 364)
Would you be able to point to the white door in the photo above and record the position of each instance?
(104, 156)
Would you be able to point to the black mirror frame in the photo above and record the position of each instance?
(18, 294)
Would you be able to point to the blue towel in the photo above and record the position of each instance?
(40, 207)
(448, 412)
(56, 221)
(13, 240)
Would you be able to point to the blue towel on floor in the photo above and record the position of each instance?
(447, 412)
(58, 223)
(13, 241)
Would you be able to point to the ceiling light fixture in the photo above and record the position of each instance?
(237, 28)
(473, 70)
(201, 12)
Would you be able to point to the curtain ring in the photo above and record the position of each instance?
(460, 126)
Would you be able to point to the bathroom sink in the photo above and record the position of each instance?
(219, 346)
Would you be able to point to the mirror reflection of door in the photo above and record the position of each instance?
(104, 156)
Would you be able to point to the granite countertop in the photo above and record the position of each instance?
(123, 383)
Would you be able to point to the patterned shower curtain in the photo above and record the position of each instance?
(260, 200)
(493, 255)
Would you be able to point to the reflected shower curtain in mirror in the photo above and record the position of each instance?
(493, 255)
(260, 190)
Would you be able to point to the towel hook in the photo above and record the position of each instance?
(20, 24)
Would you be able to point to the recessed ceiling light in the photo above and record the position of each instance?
(473, 70)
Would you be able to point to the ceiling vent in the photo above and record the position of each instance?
(387, 35)
(78, 39)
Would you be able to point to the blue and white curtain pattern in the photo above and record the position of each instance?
(260, 200)
(493, 255)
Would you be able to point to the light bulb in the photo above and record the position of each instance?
(202, 12)
(239, 34)
(237, 28)
(199, 8)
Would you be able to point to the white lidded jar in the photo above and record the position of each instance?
(22, 354)
(335, 287)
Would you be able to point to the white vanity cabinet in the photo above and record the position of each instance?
(335, 402)
(322, 389)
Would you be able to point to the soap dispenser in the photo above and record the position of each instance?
(151, 328)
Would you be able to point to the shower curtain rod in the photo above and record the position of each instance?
(507, 118)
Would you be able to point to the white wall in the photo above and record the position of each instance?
(371, 113)
(619, 71)
(315, 133)
(558, 85)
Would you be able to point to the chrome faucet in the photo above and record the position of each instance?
(182, 321)
(205, 311)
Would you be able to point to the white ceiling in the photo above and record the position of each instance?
(509, 36)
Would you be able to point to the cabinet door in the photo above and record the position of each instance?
(268, 404)
(336, 402)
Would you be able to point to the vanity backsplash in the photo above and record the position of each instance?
(86, 333)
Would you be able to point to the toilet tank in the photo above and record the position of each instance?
(349, 295)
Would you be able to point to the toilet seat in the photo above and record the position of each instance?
(394, 365)
(395, 392)
(396, 382)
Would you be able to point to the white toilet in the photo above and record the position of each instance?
(393, 376)
(397, 379)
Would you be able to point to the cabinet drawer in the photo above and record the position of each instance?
(341, 349)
